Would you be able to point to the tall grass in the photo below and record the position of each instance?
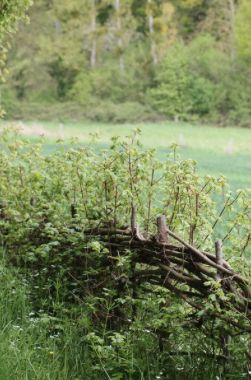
(29, 348)
(40, 347)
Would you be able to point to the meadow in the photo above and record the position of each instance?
(217, 151)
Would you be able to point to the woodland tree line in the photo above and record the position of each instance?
(119, 60)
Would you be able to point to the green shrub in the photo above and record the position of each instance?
(173, 79)
(9, 102)
(236, 107)
(70, 312)
(197, 81)
(82, 90)
(128, 112)
(103, 111)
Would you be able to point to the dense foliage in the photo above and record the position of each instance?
(130, 60)
(77, 299)
(11, 11)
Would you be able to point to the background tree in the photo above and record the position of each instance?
(11, 11)
(243, 30)
(101, 60)
(219, 21)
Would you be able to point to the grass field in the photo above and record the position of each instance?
(217, 151)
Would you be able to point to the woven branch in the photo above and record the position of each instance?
(183, 268)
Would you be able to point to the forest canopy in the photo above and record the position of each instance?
(136, 60)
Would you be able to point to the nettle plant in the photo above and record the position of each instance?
(91, 188)
(51, 206)
(99, 187)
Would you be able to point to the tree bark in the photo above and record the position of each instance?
(231, 4)
(151, 33)
(117, 6)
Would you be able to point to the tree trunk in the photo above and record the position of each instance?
(117, 6)
(231, 4)
(93, 34)
(151, 33)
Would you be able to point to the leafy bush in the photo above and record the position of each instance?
(37, 197)
(85, 315)
(128, 112)
(171, 94)
(106, 111)
(108, 83)
(238, 97)
(197, 81)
